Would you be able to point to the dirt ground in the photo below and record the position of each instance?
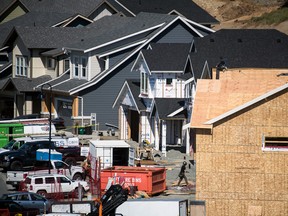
(237, 13)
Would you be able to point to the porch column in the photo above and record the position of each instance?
(157, 137)
(164, 127)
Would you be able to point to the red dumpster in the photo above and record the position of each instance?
(149, 179)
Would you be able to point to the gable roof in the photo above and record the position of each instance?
(216, 99)
(46, 37)
(186, 8)
(166, 57)
(133, 87)
(23, 84)
(120, 28)
(169, 21)
(241, 48)
(168, 106)
(83, 7)
(32, 19)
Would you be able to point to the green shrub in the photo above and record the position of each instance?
(274, 17)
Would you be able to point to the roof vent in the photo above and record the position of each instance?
(82, 39)
(278, 40)
(239, 40)
(212, 40)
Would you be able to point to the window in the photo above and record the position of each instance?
(169, 81)
(84, 67)
(21, 66)
(24, 197)
(63, 180)
(51, 63)
(275, 143)
(66, 64)
(144, 83)
(50, 180)
(80, 67)
(76, 67)
(38, 181)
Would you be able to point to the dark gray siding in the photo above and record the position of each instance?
(113, 59)
(99, 98)
(179, 34)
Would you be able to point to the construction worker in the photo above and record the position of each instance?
(86, 167)
(182, 173)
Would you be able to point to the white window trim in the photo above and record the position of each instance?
(144, 90)
(86, 67)
(23, 68)
(80, 67)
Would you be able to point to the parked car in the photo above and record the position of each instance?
(16, 209)
(48, 184)
(29, 200)
(26, 154)
(39, 167)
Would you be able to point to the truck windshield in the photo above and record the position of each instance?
(9, 145)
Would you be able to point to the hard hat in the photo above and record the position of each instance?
(184, 162)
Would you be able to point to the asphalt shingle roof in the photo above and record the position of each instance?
(23, 84)
(167, 57)
(83, 7)
(241, 48)
(110, 28)
(166, 106)
(187, 8)
(32, 19)
(134, 86)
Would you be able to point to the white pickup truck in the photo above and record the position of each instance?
(41, 167)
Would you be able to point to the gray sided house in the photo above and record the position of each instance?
(117, 55)
(157, 106)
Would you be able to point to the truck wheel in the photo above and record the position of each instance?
(78, 177)
(43, 193)
(70, 161)
(16, 165)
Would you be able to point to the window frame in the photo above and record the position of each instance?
(76, 66)
(274, 143)
(144, 83)
(51, 63)
(21, 66)
(82, 71)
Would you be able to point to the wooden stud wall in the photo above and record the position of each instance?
(233, 175)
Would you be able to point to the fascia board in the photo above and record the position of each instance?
(199, 25)
(122, 38)
(176, 112)
(121, 91)
(125, 85)
(98, 6)
(7, 66)
(125, 8)
(121, 49)
(84, 86)
(196, 31)
(189, 81)
(64, 21)
(38, 86)
(140, 55)
(248, 104)
(78, 16)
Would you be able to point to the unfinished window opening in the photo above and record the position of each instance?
(275, 143)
